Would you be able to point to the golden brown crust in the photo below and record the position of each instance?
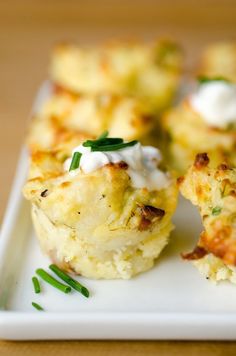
(148, 71)
(67, 118)
(180, 180)
(119, 165)
(47, 133)
(198, 252)
(213, 190)
(187, 134)
(201, 160)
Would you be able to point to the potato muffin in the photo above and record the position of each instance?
(219, 60)
(45, 135)
(67, 115)
(213, 191)
(143, 70)
(203, 121)
(109, 217)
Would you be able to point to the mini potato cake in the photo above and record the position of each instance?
(44, 135)
(213, 191)
(66, 115)
(106, 211)
(150, 71)
(219, 60)
(203, 121)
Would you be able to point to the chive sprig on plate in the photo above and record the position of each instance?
(69, 280)
(52, 281)
(37, 306)
(36, 285)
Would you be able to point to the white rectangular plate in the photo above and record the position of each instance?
(171, 301)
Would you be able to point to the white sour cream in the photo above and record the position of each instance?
(216, 103)
(142, 164)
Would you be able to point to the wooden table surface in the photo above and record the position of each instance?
(28, 29)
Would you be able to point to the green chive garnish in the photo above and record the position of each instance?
(203, 79)
(216, 210)
(49, 279)
(36, 285)
(75, 161)
(115, 147)
(37, 306)
(69, 280)
(102, 142)
(103, 135)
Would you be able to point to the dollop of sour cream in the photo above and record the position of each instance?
(142, 164)
(215, 101)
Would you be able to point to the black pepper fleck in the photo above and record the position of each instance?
(44, 193)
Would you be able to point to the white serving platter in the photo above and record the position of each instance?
(171, 301)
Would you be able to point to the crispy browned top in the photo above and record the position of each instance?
(201, 160)
(213, 191)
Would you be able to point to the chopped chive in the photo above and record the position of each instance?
(51, 280)
(204, 79)
(103, 135)
(116, 147)
(75, 161)
(37, 306)
(69, 280)
(216, 210)
(102, 142)
(36, 285)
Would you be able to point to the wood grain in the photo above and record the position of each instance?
(28, 29)
(117, 348)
